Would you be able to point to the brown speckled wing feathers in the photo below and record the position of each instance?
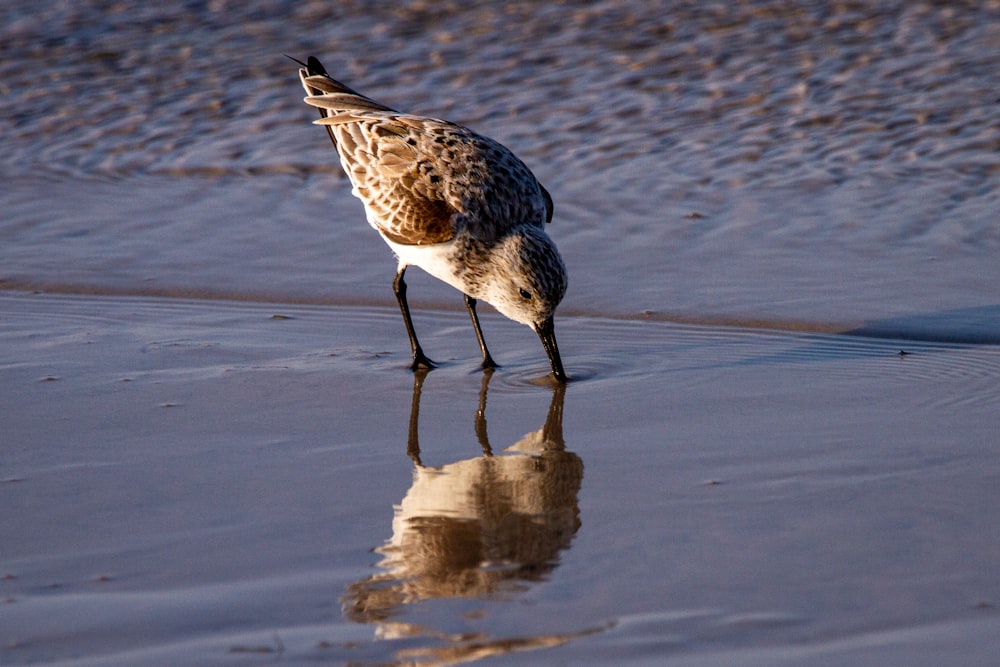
(422, 180)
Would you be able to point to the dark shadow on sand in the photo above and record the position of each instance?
(976, 326)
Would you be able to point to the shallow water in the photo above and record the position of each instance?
(804, 164)
(213, 483)
(189, 430)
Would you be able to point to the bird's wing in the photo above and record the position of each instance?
(549, 205)
(421, 179)
(403, 203)
(404, 194)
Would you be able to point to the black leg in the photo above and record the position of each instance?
(470, 305)
(420, 360)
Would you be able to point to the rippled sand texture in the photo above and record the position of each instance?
(826, 164)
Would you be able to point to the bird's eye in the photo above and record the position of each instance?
(525, 294)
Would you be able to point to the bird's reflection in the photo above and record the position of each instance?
(478, 528)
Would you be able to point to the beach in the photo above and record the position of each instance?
(208, 482)
(778, 445)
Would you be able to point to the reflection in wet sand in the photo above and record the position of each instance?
(485, 527)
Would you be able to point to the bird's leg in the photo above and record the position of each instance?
(470, 305)
(420, 360)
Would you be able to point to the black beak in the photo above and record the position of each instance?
(547, 332)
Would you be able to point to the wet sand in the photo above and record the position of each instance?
(209, 482)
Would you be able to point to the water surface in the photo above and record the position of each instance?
(199, 482)
(805, 164)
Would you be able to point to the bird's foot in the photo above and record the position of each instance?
(420, 361)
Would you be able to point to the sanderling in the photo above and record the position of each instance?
(455, 203)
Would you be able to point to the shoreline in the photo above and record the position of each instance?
(975, 326)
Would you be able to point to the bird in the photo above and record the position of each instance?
(457, 204)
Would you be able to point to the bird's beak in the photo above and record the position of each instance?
(547, 332)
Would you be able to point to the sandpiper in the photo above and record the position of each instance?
(457, 204)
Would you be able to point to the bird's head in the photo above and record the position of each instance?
(528, 282)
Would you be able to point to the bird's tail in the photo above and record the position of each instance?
(331, 97)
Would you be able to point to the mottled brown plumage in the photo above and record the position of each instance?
(458, 204)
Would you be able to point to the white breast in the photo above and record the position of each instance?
(434, 259)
